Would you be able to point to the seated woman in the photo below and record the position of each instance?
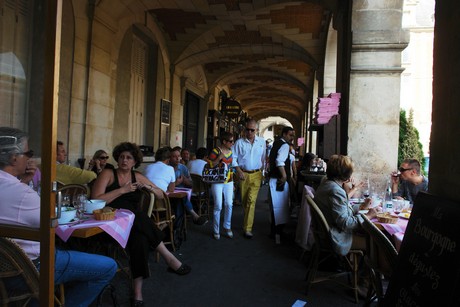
(332, 199)
(120, 188)
(99, 162)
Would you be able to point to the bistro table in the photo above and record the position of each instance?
(395, 231)
(118, 228)
(180, 193)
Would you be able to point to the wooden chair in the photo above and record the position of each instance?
(381, 259)
(163, 218)
(200, 195)
(14, 263)
(323, 245)
(147, 202)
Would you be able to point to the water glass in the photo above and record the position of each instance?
(398, 205)
(81, 202)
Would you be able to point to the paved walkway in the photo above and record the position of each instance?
(235, 272)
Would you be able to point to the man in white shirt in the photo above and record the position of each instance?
(249, 161)
(163, 176)
(280, 172)
(160, 172)
(196, 166)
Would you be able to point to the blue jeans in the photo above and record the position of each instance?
(84, 275)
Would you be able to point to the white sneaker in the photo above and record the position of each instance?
(216, 236)
(229, 233)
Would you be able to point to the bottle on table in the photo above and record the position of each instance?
(388, 201)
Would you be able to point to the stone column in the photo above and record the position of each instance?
(373, 130)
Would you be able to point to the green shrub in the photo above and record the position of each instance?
(409, 144)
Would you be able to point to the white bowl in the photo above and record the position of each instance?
(94, 204)
(67, 215)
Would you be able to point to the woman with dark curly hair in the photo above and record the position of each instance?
(121, 188)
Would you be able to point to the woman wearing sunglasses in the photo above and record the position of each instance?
(99, 162)
(217, 155)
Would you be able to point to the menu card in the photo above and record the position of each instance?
(428, 268)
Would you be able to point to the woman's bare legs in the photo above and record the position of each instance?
(137, 285)
(170, 259)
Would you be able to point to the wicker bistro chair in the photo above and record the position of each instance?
(200, 195)
(323, 245)
(163, 218)
(14, 263)
(381, 259)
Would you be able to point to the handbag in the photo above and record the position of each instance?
(216, 174)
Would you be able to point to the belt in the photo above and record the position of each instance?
(251, 172)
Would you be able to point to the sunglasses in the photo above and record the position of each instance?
(249, 129)
(230, 141)
(28, 154)
(103, 158)
(402, 169)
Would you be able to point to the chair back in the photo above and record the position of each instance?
(147, 202)
(73, 190)
(200, 194)
(162, 212)
(14, 263)
(381, 252)
(320, 227)
(199, 187)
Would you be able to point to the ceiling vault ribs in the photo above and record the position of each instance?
(265, 52)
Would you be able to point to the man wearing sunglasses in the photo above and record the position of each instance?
(408, 181)
(249, 160)
(85, 275)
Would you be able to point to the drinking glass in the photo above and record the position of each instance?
(81, 202)
(366, 188)
(398, 205)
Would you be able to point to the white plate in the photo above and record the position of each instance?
(363, 211)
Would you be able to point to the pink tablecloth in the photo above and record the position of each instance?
(119, 228)
(396, 230)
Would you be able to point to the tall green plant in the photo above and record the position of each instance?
(409, 139)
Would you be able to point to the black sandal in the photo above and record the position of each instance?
(182, 270)
(137, 303)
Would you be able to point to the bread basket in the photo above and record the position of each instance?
(387, 218)
(104, 214)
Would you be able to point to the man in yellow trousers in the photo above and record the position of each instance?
(249, 161)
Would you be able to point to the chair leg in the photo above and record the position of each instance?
(312, 268)
(59, 297)
(355, 276)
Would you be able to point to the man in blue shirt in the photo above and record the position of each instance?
(184, 180)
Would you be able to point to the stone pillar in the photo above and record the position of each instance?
(445, 130)
(373, 128)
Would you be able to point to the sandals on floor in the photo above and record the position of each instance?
(184, 269)
(137, 303)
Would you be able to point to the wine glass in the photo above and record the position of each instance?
(367, 189)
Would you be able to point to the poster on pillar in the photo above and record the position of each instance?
(178, 139)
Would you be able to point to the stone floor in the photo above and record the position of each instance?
(235, 272)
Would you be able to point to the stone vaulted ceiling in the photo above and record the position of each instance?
(265, 52)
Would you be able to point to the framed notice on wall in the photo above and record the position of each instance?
(165, 119)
